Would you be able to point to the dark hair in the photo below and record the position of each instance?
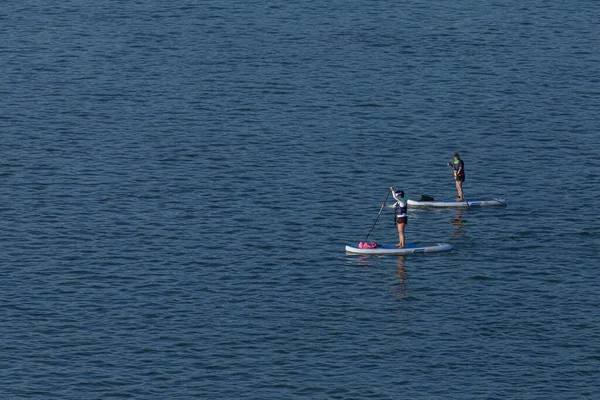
(456, 155)
(400, 193)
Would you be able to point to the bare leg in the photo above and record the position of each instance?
(459, 190)
(401, 235)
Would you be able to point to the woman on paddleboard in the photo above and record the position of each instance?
(459, 174)
(400, 216)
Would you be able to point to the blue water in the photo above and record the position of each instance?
(178, 181)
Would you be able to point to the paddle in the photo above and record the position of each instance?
(377, 219)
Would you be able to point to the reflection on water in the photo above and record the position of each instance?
(366, 261)
(401, 289)
(459, 222)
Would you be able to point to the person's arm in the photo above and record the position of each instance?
(394, 194)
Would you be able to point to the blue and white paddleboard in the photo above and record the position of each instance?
(392, 249)
(479, 202)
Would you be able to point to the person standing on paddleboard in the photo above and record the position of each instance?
(459, 175)
(400, 216)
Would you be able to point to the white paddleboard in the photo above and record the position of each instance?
(392, 249)
(479, 202)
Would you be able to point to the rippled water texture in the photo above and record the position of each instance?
(178, 182)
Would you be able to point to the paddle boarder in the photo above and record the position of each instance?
(400, 214)
(459, 174)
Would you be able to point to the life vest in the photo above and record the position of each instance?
(401, 209)
(457, 164)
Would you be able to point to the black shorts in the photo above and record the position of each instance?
(401, 220)
(460, 178)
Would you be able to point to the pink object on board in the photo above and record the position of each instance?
(367, 245)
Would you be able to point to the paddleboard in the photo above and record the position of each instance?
(392, 249)
(479, 202)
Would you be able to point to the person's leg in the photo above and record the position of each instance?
(457, 190)
(459, 184)
(401, 226)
